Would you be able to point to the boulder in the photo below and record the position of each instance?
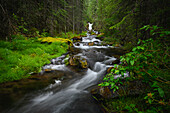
(78, 61)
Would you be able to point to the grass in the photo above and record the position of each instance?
(23, 56)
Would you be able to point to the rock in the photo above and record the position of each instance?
(77, 44)
(77, 38)
(105, 92)
(117, 61)
(78, 61)
(47, 70)
(91, 43)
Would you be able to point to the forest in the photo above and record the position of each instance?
(52, 61)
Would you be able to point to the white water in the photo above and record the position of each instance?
(59, 101)
(90, 26)
(86, 40)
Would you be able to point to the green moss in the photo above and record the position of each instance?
(22, 56)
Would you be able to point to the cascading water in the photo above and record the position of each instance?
(72, 96)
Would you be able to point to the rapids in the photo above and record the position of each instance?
(74, 95)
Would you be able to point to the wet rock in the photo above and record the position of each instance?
(91, 43)
(77, 44)
(78, 61)
(117, 61)
(47, 70)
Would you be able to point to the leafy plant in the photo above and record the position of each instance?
(143, 62)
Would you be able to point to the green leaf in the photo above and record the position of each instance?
(114, 89)
(161, 92)
(132, 62)
(115, 65)
(150, 101)
(139, 41)
(106, 84)
(117, 87)
(112, 84)
(134, 49)
(117, 71)
(145, 97)
(127, 59)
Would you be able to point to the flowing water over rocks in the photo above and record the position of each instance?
(70, 91)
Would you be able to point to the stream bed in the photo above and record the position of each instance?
(68, 89)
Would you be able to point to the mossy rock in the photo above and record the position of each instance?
(78, 61)
(51, 39)
(91, 43)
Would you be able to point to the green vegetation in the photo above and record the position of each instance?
(147, 62)
(56, 22)
(23, 56)
(121, 20)
(32, 17)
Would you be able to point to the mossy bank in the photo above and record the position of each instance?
(23, 56)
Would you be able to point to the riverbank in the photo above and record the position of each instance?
(146, 89)
(24, 56)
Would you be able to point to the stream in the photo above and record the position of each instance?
(71, 95)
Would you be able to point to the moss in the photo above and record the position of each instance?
(83, 63)
(51, 39)
(21, 57)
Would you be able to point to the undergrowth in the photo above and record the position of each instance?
(22, 56)
(149, 62)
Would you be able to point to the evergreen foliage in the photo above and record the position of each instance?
(28, 17)
(126, 17)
